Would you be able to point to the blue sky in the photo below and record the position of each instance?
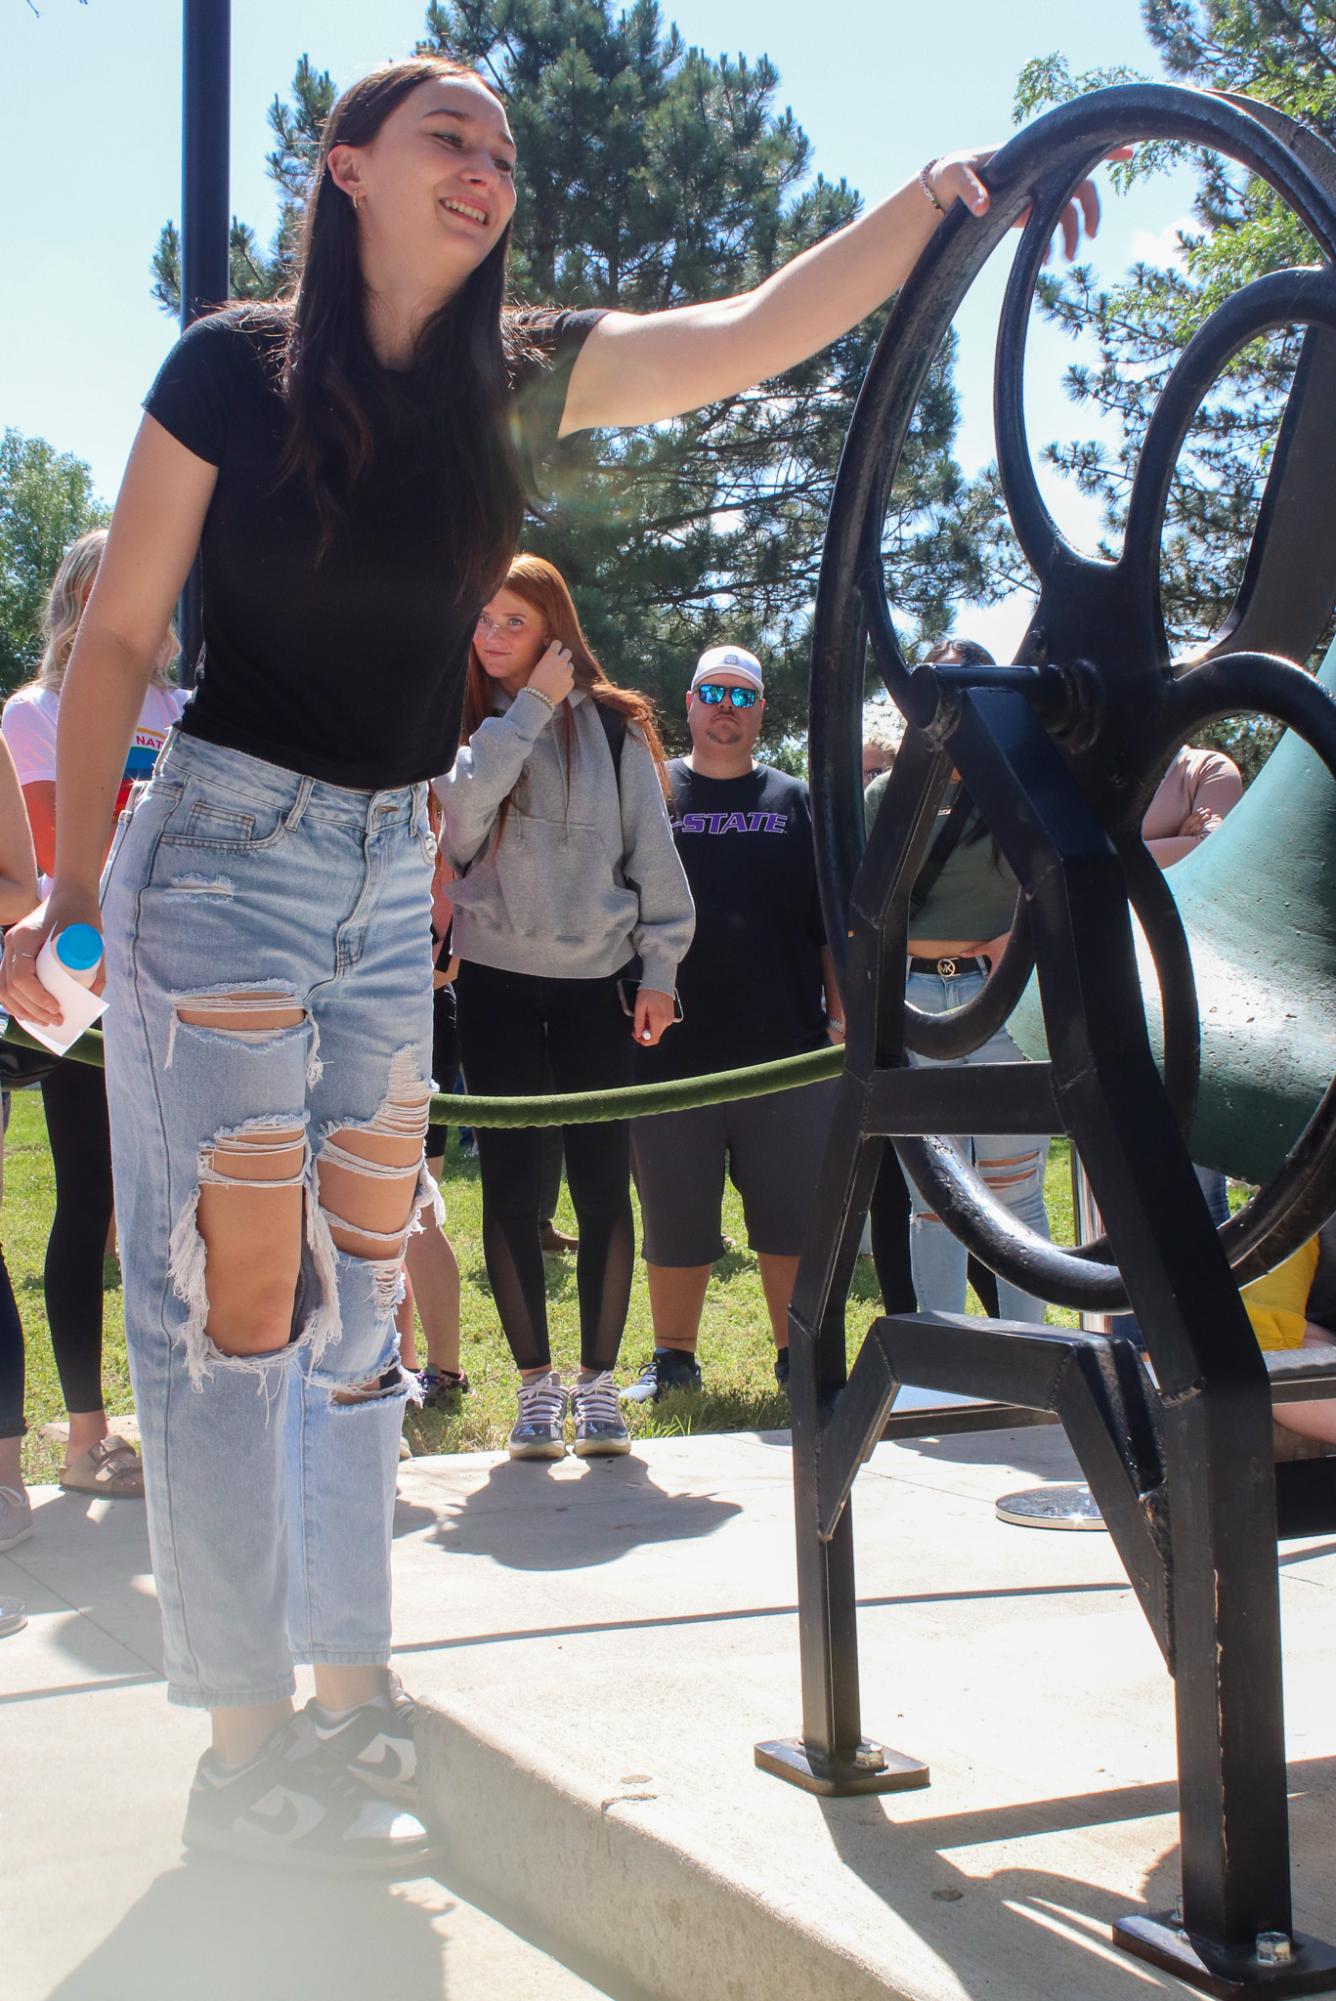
(90, 101)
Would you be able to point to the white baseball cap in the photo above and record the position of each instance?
(729, 660)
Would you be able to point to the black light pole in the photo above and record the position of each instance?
(205, 108)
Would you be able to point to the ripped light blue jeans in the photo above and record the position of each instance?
(233, 886)
(1011, 1166)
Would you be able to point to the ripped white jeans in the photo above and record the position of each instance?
(1010, 1165)
(268, 1037)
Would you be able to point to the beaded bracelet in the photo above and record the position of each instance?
(925, 182)
(530, 689)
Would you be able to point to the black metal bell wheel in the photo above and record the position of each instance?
(1096, 659)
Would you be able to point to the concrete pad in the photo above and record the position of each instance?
(627, 1630)
(96, 1903)
(600, 1645)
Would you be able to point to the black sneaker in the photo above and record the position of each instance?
(782, 1367)
(668, 1369)
(295, 1806)
(375, 1741)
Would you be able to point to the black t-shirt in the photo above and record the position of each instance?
(351, 667)
(751, 983)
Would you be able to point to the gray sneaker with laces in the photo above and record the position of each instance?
(599, 1426)
(541, 1422)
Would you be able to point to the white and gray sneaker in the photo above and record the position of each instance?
(298, 1806)
(375, 1741)
(600, 1429)
(540, 1425)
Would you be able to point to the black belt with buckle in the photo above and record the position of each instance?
(949, 969)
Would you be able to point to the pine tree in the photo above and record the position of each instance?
(46, 502)
(1284, 52)
(651, 175)
(254, 272)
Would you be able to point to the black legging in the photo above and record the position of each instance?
(75, 1100)
(74, 1097)
(12, 1423)
(520, 1035)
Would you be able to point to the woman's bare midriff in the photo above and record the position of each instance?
(949, 948)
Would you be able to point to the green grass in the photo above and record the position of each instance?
(735, 1348)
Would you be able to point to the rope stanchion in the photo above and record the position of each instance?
(578, 1108)
(636, 1101)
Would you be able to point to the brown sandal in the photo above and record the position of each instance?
(111, 1467)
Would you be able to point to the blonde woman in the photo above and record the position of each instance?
(74, 1096)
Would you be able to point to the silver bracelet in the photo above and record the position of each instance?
(925, 182)
(530, 689)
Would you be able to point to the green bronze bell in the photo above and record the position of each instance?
(1258, 901)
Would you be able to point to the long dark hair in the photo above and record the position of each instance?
(967, 653)
(335, 390)
(543, 587)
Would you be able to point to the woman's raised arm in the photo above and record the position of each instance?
(155, 532)
(640, 368)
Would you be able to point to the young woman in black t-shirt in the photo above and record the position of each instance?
(347, 467)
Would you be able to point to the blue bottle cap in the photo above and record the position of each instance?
(79, 947)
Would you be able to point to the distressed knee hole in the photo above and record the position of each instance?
(1010, 1173)
(272, 1154)
(244, 1318)
(392, 1383)
(372, 1179)
(252, 1016)
(248, 1012)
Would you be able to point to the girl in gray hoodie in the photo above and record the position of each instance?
(572, 914)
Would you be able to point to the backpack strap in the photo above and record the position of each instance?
(614, 729)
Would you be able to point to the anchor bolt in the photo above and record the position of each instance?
(870, 1758)
(1274, 1948)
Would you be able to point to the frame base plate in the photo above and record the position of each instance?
(1235, 1976)
(872, 1769)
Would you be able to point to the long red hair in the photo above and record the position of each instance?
(543, 587)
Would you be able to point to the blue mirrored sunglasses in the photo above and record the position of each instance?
(713, 692)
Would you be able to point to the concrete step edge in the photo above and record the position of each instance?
(607, 1883)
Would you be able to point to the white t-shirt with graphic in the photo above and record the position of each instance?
(29, 725)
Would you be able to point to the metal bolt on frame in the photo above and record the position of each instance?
(1274, 1948)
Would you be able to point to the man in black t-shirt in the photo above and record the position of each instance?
(757, 984)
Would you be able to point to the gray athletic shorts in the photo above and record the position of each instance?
(771, 1149)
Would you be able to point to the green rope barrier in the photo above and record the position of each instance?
(578, 1108)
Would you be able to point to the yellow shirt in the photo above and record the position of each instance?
(1278, 1304)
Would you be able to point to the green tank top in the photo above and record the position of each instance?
(975, 894)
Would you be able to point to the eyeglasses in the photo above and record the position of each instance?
(712, 693)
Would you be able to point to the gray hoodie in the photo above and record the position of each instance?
(554, 894)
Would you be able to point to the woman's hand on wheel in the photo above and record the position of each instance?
(959, 175)
(654, 1013)
(554, 676)
(20, 989)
